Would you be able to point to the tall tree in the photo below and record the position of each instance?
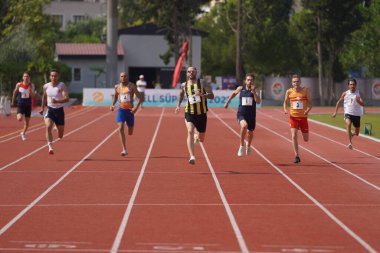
(363, 52)
(338, 19)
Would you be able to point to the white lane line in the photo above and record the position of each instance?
(17, 135)
(44, 146)
(238, 234)
(34, 202)
(326, 138)
(324, 159)
(356, 237)
(123, 225)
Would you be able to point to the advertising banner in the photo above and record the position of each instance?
(153, 97)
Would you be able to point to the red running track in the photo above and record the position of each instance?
(87, 198)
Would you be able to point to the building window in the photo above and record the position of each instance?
(78, 18)
(58, 19)
(77, 75)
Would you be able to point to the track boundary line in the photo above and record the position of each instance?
(42, 195)
(44, 146)
(356, 237)
(39, 126)
(124, 222)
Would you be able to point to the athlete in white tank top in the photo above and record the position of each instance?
(353, 109)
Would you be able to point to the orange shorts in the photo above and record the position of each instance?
(299, 123)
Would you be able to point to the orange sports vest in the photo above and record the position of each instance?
(298, 102)
(125, 97)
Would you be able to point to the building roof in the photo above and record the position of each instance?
(152, 29)
(82, 49)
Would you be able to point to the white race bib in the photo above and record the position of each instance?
(125, 98)
(24, 92)
(245, 101)
(297, 105)
(194, 99)
(49, 99)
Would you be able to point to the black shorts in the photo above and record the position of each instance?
(251, 121)
(199, 121)
(354, 119)
(24, 110)
(57, 115)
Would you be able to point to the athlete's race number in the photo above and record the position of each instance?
(297, 105)
(194, 99)
(246, 101)
(125, 98)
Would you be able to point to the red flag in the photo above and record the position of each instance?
(178, 67)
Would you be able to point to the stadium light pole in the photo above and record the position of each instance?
(111, 46)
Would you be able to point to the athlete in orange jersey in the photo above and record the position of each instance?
(300, 105)
(124, 93)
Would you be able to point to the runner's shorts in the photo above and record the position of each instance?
(199, 121)
(299, 123)
(251, 121)
(125, 115)
(354, 119)
(57, 115)
(25, 110)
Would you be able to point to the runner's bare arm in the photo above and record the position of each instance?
(337, 104)
(233, 94)
(180, 97)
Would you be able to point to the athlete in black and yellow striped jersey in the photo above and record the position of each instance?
(197, 92)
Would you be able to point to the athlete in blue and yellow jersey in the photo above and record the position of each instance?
(197, 92)
(300, 106)
(246, 114)
(124, 93)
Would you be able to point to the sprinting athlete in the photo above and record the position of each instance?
(197, 92)
(24, 92)
(56, 95)
(124, 93)
(246, 114)
(300, 106)
(353, 109)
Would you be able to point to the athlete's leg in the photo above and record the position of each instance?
(243, 131)
(294, 140)
(348, 129)
(190, 137)
(26, 124)
(49, 126)
(61, 130)
(19, 116)
(122, 134)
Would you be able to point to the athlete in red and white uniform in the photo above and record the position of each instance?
(24, 92)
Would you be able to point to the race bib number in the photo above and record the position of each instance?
(193, 99)
(24, 93)
(125, 98)
(246, 101)
(49, 99)
(297, 105)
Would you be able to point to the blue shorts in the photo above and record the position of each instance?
(250, 119)
(125, 115)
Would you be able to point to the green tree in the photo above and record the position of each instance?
(363, 51)
(336, 20)
(85, 31)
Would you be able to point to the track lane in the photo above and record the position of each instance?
(303, 174)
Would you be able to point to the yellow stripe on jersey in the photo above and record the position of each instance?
(199, 108)
(198, 104)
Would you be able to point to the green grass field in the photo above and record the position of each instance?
(339, 122)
